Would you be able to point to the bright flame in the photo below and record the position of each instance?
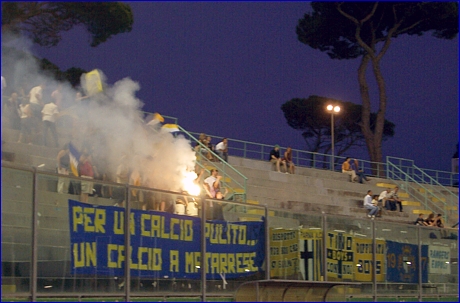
(189, 185)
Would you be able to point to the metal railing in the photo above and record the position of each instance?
(232, 179)
(420, 192)
(308, 159)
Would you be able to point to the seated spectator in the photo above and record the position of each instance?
(288, 160)
(359, 172)
(430, 220)
(420, 220)
(375, 202)
(276, 159)
(369, 205)
(383, 196)
(438, 221)
(393, 199)
(222, 149)
(346, 169)
(210, 147)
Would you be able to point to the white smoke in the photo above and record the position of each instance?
(111, 125)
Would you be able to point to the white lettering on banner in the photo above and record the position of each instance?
(439, 259)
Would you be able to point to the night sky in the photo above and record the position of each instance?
(225, 69)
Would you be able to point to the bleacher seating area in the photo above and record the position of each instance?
(309, 190)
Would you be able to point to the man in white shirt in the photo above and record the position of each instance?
(383, 196)
(49, 115)
(222, 149)
(369, 205)
(36, 106)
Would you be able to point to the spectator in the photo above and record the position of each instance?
(25, 113)
(369, 205)
(375, 202)
(135, 179)
(430, 220)
(210, 184)
(393, 199)
(10, 112)
(346, 169)
(36, 104)
(210, 150)
(420, 220)
(86, 171)
(202, 147)
(122, 177)
(56, 96)
(288, 160)
(276, 159)
(222, 149)
(63, 167)
(438, 221)
(359, 172)
(50, 112)
(192, 204)
(383, 196)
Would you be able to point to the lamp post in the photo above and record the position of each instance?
(332, 109)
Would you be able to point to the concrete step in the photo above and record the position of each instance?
(410, 203)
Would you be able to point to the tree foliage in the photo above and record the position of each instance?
(45, 21)
(349, 30)
(310, 116)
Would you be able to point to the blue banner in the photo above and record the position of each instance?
(162, 245)
(402, 262)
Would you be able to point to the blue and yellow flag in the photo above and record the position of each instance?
(74, 156)
(170, 128)
(93, 82)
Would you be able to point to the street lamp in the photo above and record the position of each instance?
(332, 109)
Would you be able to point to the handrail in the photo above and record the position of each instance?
(436, 183)
(225, 164)
(316, 160)
(409, 183)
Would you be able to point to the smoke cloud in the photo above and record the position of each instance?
(110, 125)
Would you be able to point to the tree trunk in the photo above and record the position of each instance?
(373, 138)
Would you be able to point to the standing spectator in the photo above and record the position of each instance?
(359, 172)
(346, 169)
(25, 113)
(369, 205)
(50, 112)
(210, 184)
(86, 171)
(288, 160)
(63, 167)
(393, 199)
(11, 112)
(276, 159)
(122, 177)
(56, 96)
(36, 104)
(222, 149)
